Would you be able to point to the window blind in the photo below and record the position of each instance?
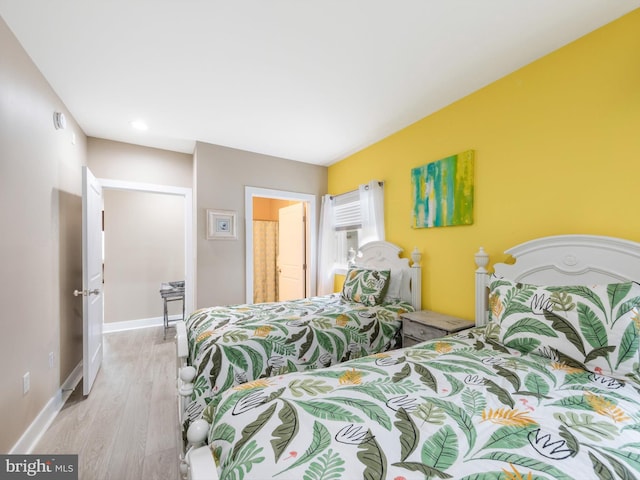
(347, 211)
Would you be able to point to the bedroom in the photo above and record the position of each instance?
(556, 143)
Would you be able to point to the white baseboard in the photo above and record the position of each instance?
(34, 432)
(134, 324)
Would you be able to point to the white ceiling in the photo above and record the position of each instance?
(307, 80)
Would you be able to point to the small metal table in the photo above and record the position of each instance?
(171, 292)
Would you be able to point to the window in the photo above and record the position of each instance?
(347, 222)
(347, 226)
(346, 247)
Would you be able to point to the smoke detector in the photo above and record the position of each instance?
(59, 120)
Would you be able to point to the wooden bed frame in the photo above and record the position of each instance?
(378, 255)
(557, 260)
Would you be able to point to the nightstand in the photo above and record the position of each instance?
(425, 325)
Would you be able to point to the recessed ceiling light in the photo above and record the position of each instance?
(139, 125)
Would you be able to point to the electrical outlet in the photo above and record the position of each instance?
(51, 359)
(26, 383)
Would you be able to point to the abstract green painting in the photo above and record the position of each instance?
(443, 192)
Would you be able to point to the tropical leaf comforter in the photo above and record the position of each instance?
(231, 345)
(462, 407)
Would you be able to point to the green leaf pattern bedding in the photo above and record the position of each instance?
(461, 407)
(590, 327)
(234, 344)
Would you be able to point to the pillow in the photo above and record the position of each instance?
(395, 283)
(592, 327)
(365, 286)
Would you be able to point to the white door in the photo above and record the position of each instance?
(291, 252)
(92, 299)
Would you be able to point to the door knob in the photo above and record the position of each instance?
(86, 293)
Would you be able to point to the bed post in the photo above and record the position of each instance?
(198, 463)
(416, 283)
(182, 344)
(482, 277)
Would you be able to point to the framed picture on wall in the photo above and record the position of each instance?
(443, 192)
(221, 225)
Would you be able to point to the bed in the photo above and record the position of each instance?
(226, 346)
(546, 386)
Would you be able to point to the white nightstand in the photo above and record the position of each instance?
(425, 325)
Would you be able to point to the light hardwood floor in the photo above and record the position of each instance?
(127, 427)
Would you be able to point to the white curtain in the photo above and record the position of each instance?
(372, 210)
(326, 247)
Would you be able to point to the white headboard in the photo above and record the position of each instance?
(561, 260)
(384, 255)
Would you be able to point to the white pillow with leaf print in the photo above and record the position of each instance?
(392, 293)
(592, 327)
(365, 286)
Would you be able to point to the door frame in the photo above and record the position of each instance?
(189, 263)
(249, 194)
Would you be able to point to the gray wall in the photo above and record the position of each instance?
(144, 232)
(40, 243)
(221, 175)
(133, 163)
(143, 247)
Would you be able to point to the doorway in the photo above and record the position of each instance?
(267, 237)
(277, 199)
(161, 192)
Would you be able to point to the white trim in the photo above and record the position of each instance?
(341, 270)
(189, 258)
(47, 415)
(135, 324)
(249, 194)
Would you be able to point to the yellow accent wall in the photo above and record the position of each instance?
(557, 148)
